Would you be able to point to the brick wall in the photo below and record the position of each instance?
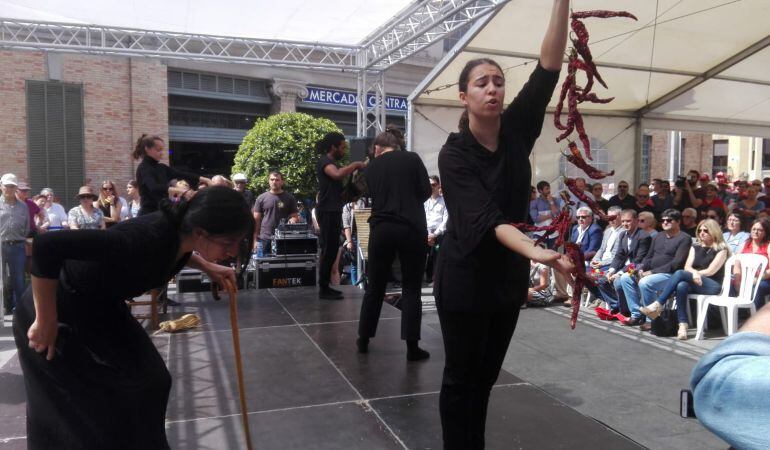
(698, 153)
(15, 68)
(122, 99)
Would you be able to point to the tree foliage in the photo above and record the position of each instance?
(285, 142)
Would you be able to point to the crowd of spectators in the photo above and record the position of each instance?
(660, 243)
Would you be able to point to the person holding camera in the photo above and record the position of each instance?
(687, 194)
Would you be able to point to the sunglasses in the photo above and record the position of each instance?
(622, 187)
(434, 185)
(703, 230)
(666, 220)
(642, 196)
(88, 197)
(582, 217)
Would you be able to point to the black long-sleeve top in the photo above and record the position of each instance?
(667, 254)
(398, 184)
(153, 178)
(483, 189)
(99, 269)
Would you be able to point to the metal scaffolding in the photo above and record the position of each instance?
(417, 27)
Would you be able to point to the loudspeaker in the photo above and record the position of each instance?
(359, 148)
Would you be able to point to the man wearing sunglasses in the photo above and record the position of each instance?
(667, 254)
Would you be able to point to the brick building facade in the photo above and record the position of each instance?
(672, 153)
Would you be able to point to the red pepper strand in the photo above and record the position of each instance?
(570, 183)
(581, 46)
(580, 65)
(577, 160)
(568, 81)
(592, 98)
(575, 254)
(603, 14)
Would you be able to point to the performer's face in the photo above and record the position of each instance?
(216, 248)
(486, 91)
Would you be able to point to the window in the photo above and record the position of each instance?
(765, 154)
(646, 144)
(601, 161)
(55, 138)
(719, 161)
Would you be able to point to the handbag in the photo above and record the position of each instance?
(666, 324)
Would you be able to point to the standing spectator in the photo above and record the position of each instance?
(270, 208)
(664, 199)
(622, 198)
(642, 200)
(543, 210)
(436, 216)
(221, 180)
(332, 148)
(399, 186)
(14, 229)
(586, 233)
(133, 203)
(108, 202)
(41, 220)
(667, 254)
(734, 236)
(690, 195)
(240, 181)
(154, 177)
(655, 187)
(702, 274)
(689, 221)
(85, 216)
(723, 190)
(760, 234)
(750, 207)
(36, 213)
(57, 216)
(633, 248)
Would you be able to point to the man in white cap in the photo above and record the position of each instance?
(14, 228)
(240, 185)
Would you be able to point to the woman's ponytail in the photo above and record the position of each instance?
(464, 125)
(144, 142)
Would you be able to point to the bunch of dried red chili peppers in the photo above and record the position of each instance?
(575, 94)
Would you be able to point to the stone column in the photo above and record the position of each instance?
(285, 94)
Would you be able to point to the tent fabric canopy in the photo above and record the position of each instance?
(703, 60)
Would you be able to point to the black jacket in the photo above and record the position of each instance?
(640, 245)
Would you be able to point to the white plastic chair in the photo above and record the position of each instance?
(751, 264)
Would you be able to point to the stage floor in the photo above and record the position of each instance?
(307, 388)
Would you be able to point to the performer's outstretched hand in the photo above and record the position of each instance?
(42, 336)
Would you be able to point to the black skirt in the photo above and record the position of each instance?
(107, 386)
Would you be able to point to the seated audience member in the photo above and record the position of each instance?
(85, 216)
(642, 200)
(632, 249)
(540, 290)
(609, 248)
(702, 274)
(723, 190)
(586, 233)
(580, 184)
(711, 200)
(717, 214)
(730, 386)
(664, 198)
(41, 220)
(648, 223)
(668, 253)
(689, 221)
(108, 202)
(622, 198)
(598, 190)
(757, 244)
(734, 236)
(543, 210)
(750, 207)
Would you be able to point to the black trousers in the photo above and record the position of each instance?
(475, 345)
(386, 240)
(331, 224)
(430, 262)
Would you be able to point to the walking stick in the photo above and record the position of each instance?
(238, 362)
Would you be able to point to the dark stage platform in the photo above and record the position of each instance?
(307, 388)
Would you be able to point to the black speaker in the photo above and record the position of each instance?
(359, 148)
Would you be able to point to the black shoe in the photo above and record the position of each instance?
(634, 321)
(328, 294)
(363, 345)
(334, 290)
(416, 354)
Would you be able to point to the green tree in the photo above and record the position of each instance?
(285, 142)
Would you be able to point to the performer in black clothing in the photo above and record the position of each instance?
(398, 184)
(154, 177)
(481, 278)
(93, 377)
(329, 207)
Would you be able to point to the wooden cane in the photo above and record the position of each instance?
(238, 362)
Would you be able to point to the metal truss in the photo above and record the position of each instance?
(371, 102)
(420, 26)
(132, 42)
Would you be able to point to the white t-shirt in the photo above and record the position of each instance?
(125, 209)
(57, 216)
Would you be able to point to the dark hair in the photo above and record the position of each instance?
(435, 178)
(392, 129)
(143, 143)
(331, 139)
(720, 213)
(765, 223)
(276, 172)
(133, 183)
(218, 210)
(673, 214)
(464, 124)
(541, 184)
(387, 139)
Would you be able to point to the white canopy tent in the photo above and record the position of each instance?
(690, 65)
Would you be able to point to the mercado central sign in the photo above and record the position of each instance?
(326, 96)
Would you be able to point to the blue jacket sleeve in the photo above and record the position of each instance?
(731, 388)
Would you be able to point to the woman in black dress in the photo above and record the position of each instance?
(481, 277)
(93, 377)
(398, 184)
(154, 177)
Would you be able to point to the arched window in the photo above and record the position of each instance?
(601, 161)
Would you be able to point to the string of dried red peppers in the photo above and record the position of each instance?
(574, 95)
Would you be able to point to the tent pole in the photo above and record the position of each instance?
(638, 152)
